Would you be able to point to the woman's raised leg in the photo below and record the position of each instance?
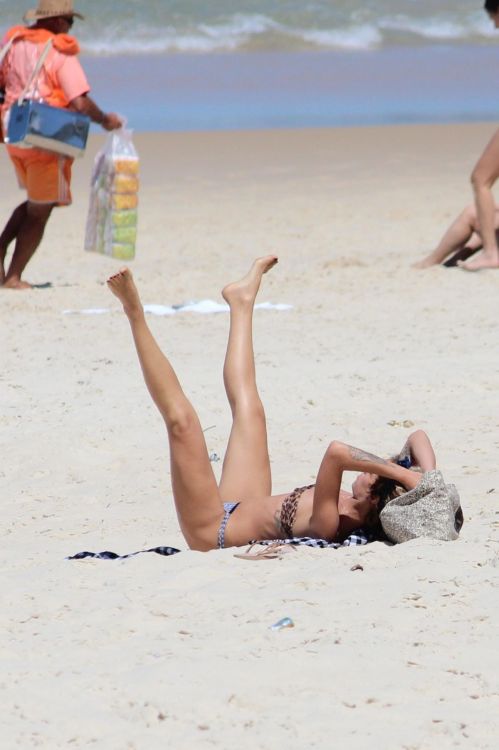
(195, 490)
(246, 468)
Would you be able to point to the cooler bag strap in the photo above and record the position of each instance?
(36, 72)
(6, 48)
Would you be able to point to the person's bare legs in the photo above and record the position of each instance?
(483, 178)
(473, 245)
(195, 489)
(10, 233)
(246, 469)
(461, 232)
(29, 235)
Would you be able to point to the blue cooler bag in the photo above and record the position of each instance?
(34, 124)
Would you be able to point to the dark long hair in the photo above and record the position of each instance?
(382, 491)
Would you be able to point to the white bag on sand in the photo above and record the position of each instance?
(112, 214)
(432, 509)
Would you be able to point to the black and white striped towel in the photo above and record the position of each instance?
(357, 538)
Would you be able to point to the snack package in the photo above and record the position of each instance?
(112, 213)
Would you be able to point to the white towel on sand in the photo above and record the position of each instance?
(204, 306)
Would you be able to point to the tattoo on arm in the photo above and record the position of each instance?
(360, 455)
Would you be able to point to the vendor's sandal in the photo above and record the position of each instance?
(273, 551)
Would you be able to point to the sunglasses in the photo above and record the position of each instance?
(69, 20)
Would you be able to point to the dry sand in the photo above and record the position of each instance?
(176, 652)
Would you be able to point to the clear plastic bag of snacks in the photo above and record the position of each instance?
(112, 214)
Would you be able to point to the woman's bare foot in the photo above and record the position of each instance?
(15, 283)
(246, 289)
(425, 263)
(122, 286)
(484, 260)
(461, 255)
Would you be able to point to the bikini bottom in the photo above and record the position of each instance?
(228, 509)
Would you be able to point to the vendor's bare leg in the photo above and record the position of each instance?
(455, 238)
(246, 469)
(195, 489)
(9, 234)
(483, 178)
(29, 236)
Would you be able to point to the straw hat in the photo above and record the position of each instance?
(51, 9)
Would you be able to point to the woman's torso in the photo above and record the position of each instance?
(260, 518)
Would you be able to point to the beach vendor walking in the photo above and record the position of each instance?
(45, 175)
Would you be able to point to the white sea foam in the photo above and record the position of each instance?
(240, 27)
(426, 29)
(240, 30)
(259, 31)
(439, 28)
(360, 37)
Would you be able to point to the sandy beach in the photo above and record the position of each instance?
(155, 651)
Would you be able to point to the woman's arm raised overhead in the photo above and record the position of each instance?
(356, 459)
(420, 450)
(340, 457)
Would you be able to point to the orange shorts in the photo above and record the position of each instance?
(45, 176)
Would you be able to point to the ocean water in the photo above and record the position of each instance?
(161, 26)
(192, 65)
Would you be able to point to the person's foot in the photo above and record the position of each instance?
(122, 286)
(485, 260)
(460, 255)
(246, 289)
(427, 262)
(14, 283)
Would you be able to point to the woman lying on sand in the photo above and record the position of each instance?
(241, 508)
(460, 241)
